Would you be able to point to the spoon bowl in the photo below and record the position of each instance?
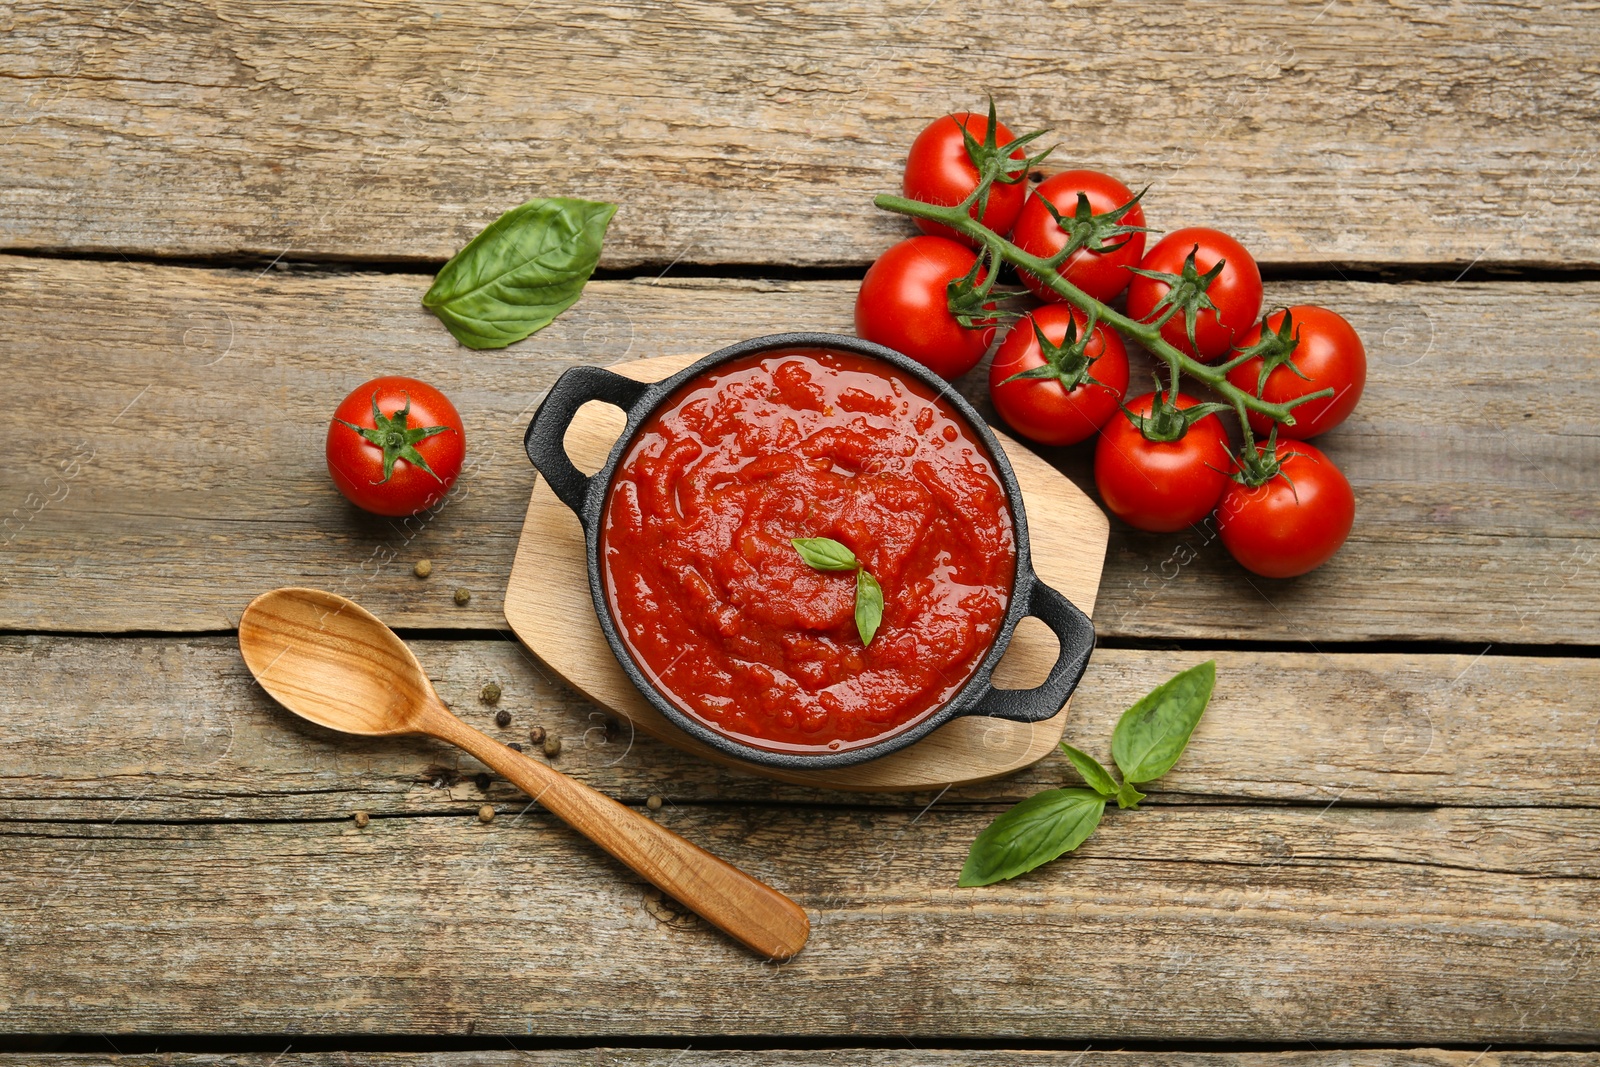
(329, 660)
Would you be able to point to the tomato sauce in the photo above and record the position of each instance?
(717, 607)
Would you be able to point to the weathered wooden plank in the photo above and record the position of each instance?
(833, 1057)
(175, 729)
(1348, 925)
(1362, 132)
(172, 467)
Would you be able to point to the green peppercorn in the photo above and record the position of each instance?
(490, 694)
(552, 746)
(423, 568)
(463, 594)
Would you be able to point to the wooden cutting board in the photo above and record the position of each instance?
(548, 605)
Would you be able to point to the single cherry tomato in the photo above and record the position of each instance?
(1235, 292)
(1045, 409)
(1100, 274)
(395, 446)
(940, 170)
(904, 305)
(1161, 486)
(1294, 522)
(1329, 354)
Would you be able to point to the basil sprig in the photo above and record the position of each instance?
(515, 277)
(826, 554)
(1148, 740)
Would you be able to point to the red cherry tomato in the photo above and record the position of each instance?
(1329, 354)
(1279, 529)
(940, 171)
(1236, 292)
(1100, 274)
(904, 304)
(1043, 409)
(395, 446)
(1161, 486)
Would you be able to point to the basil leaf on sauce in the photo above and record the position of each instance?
(515, 277)
(1152, 734)
(824, 554)
(869, 605)
(1098, 777)
(1036, 831)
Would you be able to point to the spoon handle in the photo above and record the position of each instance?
(745, 908)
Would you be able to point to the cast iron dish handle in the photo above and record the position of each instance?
(1076, 634)
(543, 441)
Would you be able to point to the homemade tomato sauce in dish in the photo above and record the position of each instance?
(722, 614)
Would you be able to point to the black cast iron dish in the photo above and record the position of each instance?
(587, 497)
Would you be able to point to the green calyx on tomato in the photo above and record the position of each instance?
(995, 162)
(969, 299)
(1187, 293)
(1100, 234)
(1275, 349)
(1166, 421)
(397, 440)
(1067, 363)
(1259, 462)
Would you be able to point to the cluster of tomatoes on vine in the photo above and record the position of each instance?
(1163, 460)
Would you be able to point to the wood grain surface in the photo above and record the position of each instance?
(180, 731)
(1419, 133)
(1343, 924)
(174, 467)
(218, 216)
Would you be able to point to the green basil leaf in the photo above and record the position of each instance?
(869, 605)
(1128, 796)
(1098, 777)
(1151, 735)
(824, 554)
(516, 276)
(1036, 831)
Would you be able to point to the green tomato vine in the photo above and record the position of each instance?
(1099, 233)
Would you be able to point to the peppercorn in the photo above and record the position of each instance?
(552, 746)
(423, 568)
(502, 718)
(463, 594)
(361, 819)
(653, 803)
(482, 782)
(486, 814)
(536, 735)
(490, 694)
(513, 746)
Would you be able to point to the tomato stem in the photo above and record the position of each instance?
(1147, 334)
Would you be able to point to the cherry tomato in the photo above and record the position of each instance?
(1329, 354)
(1161, 486)
(1100, 274)
(904, 304)
(1043, 409)
(395, 446)
(1235, 292)
(940, 171)
(1293, 523)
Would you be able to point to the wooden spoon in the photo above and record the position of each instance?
(330, 661)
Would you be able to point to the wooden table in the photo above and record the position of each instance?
(1383, 846)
